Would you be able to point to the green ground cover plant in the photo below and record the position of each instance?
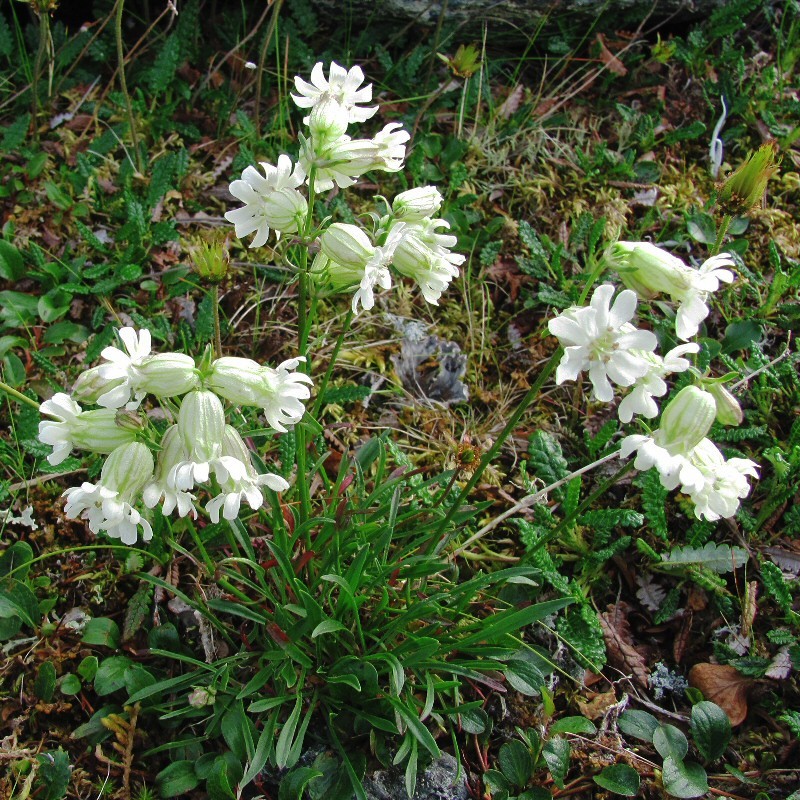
(369, 401)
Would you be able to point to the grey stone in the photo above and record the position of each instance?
(444, 779)
(430, 368)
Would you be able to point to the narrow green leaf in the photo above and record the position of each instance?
(556, 755)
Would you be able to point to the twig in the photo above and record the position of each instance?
(785, 354)
(15, 487)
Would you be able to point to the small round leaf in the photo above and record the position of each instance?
(620, 779)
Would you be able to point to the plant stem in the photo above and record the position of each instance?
(487, 459)
(217, 328)
(303, 324)
(124, 86)
(332, 363)
(18, 395)
(723, 229)
(262, 59)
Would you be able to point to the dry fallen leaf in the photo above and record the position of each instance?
(622, 653)
(609, 59)
(597, 705)
(723, 685)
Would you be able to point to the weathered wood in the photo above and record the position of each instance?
(524, 15)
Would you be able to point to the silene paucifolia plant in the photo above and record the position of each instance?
(341, 611)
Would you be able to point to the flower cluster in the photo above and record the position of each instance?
(408, 239)
(198, 450)
(601, 340)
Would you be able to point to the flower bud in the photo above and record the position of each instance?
(91, 385)
(127, 470)
(201, 424)
(744, 189)
(347, 245)
(729, 412)
(98, 432)
(333, 275)
(202, 696)
(686, 420)
(327, 122)
(167, 375)
(129, 420)
(417, 204)
(210, 260)
(649, 270)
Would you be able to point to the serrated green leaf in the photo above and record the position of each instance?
(177, 779)
(639, 724)
(670, 741)
(621, 779)
(556, 755)
(45, 683)
(546, 460)
(516, 763)
(711, 729)
(684, 779)
(719, 558)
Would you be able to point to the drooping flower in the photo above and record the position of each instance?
(417, 204)
(424, 255)
(95, 431)
(172, 453)
(108, 504)
(723, 483)
(391, 144)
(600, 339)
(342, 87)
(652, 384)
(271, 201)
(239, 480)
(278, 392)
(729, 412)
(122, 370)
(649, 271)
(684, 424)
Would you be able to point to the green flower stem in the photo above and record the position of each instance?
(217, 327)
(209, 564)
(487, 459)
(721, 231)
(332, 363)
(303, 324)
(124, 86)
(18, 395)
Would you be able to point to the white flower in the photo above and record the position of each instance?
(341, 160)
(279, 392)
(122, 370)
(95, 431)
(417, 204)
(376, 270)
(342, 87)
(270, 200)
(172, 453)
(347, 245)
(108, 504)
(684, 424)
(640, 399)
(649, 270)
(391, 143)
(423, 255)
(599, 338)
(693, 309)
(241, 482)
(723, 483)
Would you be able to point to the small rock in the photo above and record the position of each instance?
(444, 779)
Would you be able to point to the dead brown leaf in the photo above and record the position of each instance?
(597, 704)
(682, 639)
(723, 685)
(608, 58)
(622, 652)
